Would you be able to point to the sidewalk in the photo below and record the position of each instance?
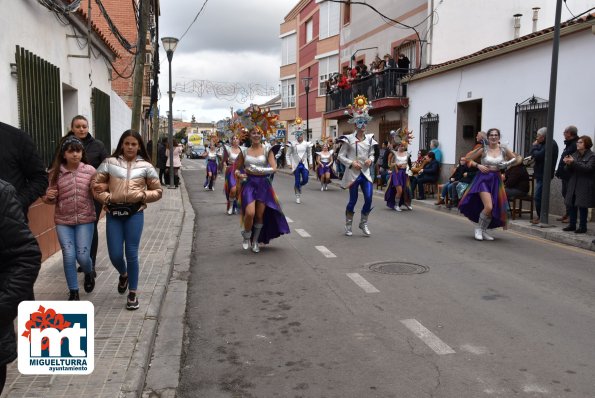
(124, 339)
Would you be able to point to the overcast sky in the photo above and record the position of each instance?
(231, 41)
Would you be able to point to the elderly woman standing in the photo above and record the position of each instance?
(580, 194)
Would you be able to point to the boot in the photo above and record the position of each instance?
(246, 242)
(477, 231)
(484, 222)
(348, 223)
(74, 295)
(176, 181)
(257, 228)
(229, 208)
(363, 224)
(298, 198)
(236, 208)
(206, 184)
(326, 186)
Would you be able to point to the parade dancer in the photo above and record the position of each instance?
(261, 214)
(277, 147)
(299, 155)
(357, 154)
(398, 192)
(324, 160)
(230, 156)
(212, 165)
(485, 201)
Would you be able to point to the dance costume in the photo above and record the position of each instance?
(212, 167)
(399, 178)
(299, 155)
(326, 167)
(230, 179)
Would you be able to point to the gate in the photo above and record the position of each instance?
(530, 115)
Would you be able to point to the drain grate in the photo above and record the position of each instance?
(398, 268)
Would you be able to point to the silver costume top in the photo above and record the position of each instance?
(258, 165)
(325, 158)
(212, 155)
(231, 157)
(492, 162)
(353, 149)
(299, 152)
(400, 160)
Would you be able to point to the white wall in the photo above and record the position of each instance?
(120, 118)
(474, 25)
(504, 81)
(34, 28)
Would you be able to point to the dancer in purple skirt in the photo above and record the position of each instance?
(212, 165)
(485, 202)
(398, 191)
(261, 214)
(324, 160)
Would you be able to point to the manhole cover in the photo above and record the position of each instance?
(398, 268)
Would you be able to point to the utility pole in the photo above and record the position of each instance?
(139, 69)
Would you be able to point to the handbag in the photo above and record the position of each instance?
(123, 209)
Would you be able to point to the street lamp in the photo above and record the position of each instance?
(169, 44)
(306, 81)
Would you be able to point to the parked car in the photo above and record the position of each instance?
(196, 152)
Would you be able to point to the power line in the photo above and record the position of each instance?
(117, 34)
(193, 21)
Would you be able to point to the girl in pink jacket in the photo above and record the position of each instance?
(70, 190)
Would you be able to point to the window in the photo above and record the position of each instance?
(288, 46)
(288, 93)
(327, 67)
(309, 31)
(330, 13)
(530, 116)
(347, 12)
(409, 48)
(428, 125)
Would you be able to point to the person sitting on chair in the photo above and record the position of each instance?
(429, 174)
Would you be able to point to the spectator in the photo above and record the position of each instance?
(150, 149)
(21, 166)
(434, 144)
(177, 158)
(403, 65)
(162, 159)
(429, 174)
(538, 155)
(516, 181)
(461, 187)
(95, 153)
(580, 194)
(389, 62)
(124, 184)
(20, 261)
(570, 138)
(449, 188)
(344, 83)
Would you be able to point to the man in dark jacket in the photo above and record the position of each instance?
(538, 154)
(429, 174)
(21, 165)
(570, 138)
(96, 153)
(20, 261)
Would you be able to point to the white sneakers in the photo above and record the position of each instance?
(298, 199)
(230, 210)
(478, 234)
(486, 236)
(409, 207)
(397, 208)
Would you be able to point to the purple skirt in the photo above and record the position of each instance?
(471, 205)
(212, 167)
(230, 180)
(259, 188)
(398, 179)
(326, 169)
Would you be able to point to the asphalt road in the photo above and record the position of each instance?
(512, 317)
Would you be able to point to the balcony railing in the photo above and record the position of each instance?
(386, 84)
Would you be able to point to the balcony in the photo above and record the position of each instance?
(385, 89)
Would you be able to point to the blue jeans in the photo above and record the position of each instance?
(75, 241)
(301, 177)
(537, 196)
(123, 239)
(367, 189)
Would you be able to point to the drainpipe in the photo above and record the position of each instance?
(517, 25)
(535, 17)
(431, 35)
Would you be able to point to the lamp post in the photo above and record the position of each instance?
(306, 81)
(169, 44)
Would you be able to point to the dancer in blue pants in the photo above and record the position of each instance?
(299, 156)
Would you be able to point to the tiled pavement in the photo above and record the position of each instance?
(123, 339)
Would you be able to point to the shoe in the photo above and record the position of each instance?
(322, 188)
(569, 228)
(486, 236)
(564, 219)
(397, 208)
(122, 284)
(478, 234)
(74, 295)
(255, 247)
(581, 230)
(230, 211)
(348, 223)
(132, 302)
(439, 202)
(409, 207)
(298, 199)
(212, 188)
(89, 282)
(246, 239)
(535, 221)
(326, 187)
(363, 225)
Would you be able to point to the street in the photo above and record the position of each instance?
(310, 316)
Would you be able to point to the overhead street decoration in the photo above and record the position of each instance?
(228, 91)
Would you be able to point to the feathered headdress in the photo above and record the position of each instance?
(401, 136)
(297, 127)
(359, 110)
(256, 117)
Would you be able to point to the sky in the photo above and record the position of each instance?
(232, 41)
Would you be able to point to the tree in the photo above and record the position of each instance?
(181, 134)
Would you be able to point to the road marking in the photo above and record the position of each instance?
(431, 340)
(326, 252)
(364, 284)
(288, 219)
(303, 233)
